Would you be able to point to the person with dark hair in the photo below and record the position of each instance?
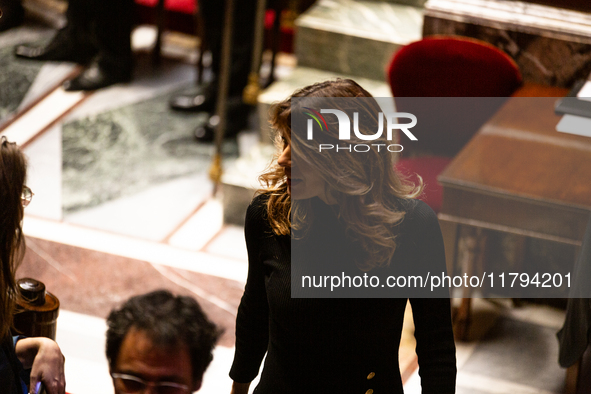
(348, 212)
(97, 35)
(160, 340)
(22, 360)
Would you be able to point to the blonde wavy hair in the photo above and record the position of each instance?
(365, 186)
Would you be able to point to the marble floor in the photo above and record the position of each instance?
(123, 205)
(24, 82)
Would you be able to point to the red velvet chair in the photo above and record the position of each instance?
(183, 6)
(446, 67)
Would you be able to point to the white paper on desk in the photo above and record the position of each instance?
(575, 125)
(585, 92)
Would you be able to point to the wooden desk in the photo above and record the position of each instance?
(516, 175)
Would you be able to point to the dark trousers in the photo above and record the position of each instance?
(104, 26)
(242, 38)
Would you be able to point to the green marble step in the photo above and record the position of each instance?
(239, 180)
(355, 37)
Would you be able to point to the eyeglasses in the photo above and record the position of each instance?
(27, 196)
(132, 384)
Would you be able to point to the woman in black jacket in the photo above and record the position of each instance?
(18, 355)
(345, 216)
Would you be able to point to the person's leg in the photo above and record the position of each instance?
(71, 43)
(213, 19)
(240, 66)
(12, 14)
(79, 15)
(110, 25)
(242, 45)
(203, 98)
(113, 36)
(242, 39)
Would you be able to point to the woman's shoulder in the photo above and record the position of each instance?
(258, 205)
(418, 214)
(420, 209)
(260, 198)
(257, 225)
(256, 214)
(421, 236)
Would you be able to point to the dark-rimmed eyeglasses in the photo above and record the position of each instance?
(130, 384)
(27, 195)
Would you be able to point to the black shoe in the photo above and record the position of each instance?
(63, 47)
(13, 14)
(204, 133)
(202, 100)
(235, 124)
(95, 77)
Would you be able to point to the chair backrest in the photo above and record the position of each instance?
(450, 66)
(183, 6)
